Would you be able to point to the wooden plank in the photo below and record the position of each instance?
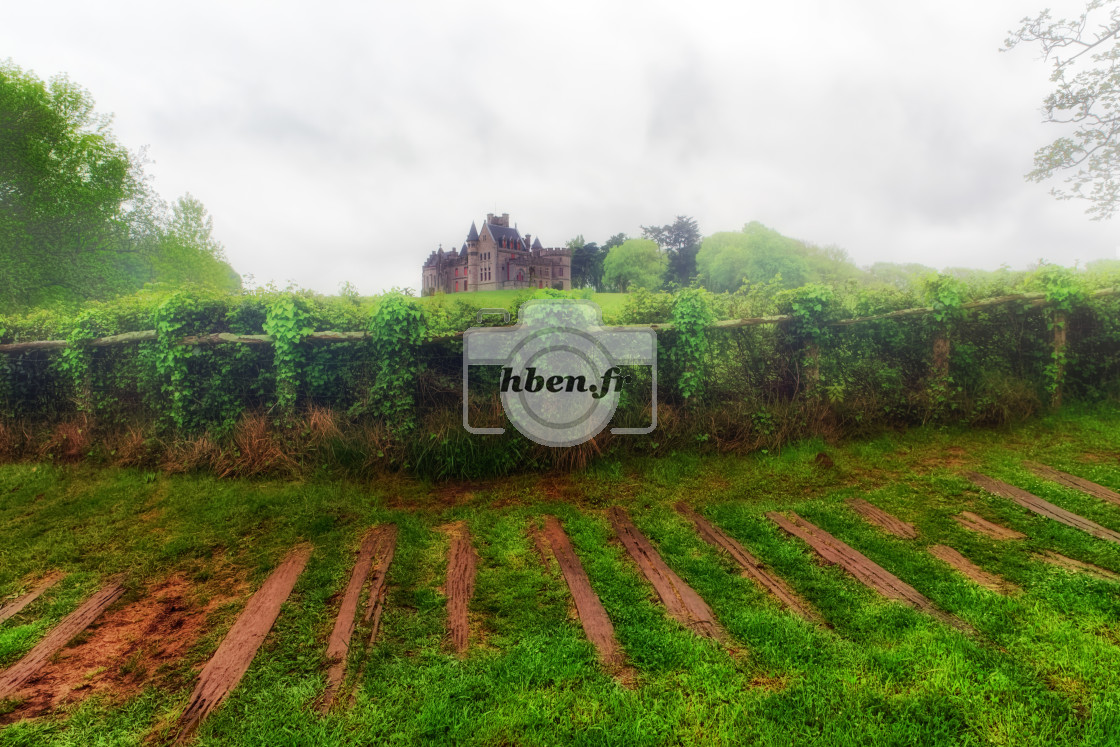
(882, 519)
(17, 675)
(832, 550)
(978, 523)
(17, 605)
(680, 600)
(462, 563)
(236, 651)
(541, 546)
(1070, 564)
(752, 566)
(596, 624)
(338, 648)
(1075, 482)
(972, 571)
(1032, 502)
(378, 586)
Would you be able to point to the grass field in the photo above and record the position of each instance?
(1044, 668)
(610, 303)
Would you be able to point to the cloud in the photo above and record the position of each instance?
(348, 141)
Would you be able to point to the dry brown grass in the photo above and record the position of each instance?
(192, 454)
(257, 450)
(136, 446)
(578, 457)
(68, 441)
(10, 443)
(321, 425)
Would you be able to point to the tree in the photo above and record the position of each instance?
(587, 264)
(1085, 58)
(636, 263)
(614, 241)
(67, 189)
(78, 217)
(903, 277)
(187, 252)
(680, 240)
(758, 254)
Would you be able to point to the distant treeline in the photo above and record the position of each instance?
(79, 219)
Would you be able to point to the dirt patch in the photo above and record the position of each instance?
(558, 488)
(1075, 690)
(454, 494)
(768, 682)
(1108, 633)
(1094, 458)
(977, 523)
(120, 653)
(973, 571)
(681, 600)
(751, 565)
(882, 519)
(949, 458)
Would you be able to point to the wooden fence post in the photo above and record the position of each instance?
(941, 355)
(1059, 358)
(812, 368)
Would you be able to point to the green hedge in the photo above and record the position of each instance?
(407, 374)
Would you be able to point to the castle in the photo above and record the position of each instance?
(494, 258)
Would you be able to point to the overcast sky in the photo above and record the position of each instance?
(345, 141)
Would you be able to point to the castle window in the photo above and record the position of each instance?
(559, 272)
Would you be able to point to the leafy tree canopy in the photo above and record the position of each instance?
(758, 254)
(1085, 57)
(635, 263)
(188, 253)
(905, 276)
(78, 219)
(680, 240)
(587, 263)
(614, 241)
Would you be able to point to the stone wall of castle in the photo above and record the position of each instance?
(497, 257)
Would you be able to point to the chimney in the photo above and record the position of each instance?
(505, 220)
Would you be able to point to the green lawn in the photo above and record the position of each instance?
(1045, 669)
(610, 303)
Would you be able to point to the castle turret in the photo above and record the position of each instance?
(494, 257)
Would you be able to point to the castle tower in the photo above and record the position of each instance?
(471, 247)
(496, 257)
